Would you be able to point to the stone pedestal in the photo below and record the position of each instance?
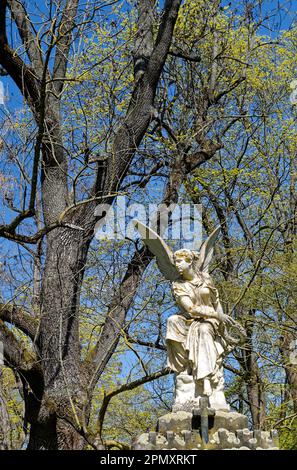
(188, 393)
(227, 430)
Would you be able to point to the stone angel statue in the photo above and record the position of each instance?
(200, 335)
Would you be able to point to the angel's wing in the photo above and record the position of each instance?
(160, 249)
(206, 251)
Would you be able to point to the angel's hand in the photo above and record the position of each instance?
(226, 319)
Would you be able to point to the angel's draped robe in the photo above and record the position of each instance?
(194, 341)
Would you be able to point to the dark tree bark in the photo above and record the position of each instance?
(254, 383)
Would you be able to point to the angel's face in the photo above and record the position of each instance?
(182, 262)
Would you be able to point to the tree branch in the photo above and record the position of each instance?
(140, 110)
(22, 74)
(232, 87)
(16, 355)
(147, 344)
(22, 320)
(7, 232)
(163, 41)
(29, 40)
(125, 388)
(111, 331)
(183, 55)
(144, 42)
(65, 29)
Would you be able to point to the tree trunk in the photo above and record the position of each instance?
(289, 359)
(55, 400)
(64, 386)
(5, 443)
(255, 389)
(256, 395)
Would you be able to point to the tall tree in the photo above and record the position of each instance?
(56, 386)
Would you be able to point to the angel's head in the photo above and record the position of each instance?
(183, 260)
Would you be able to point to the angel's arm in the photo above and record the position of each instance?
(186, 304)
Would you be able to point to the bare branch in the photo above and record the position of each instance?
(22, 74)
(163, 41)
(63, 44)
(125, 388)
(16, 355)
(183, 55)
(144, 42)
(29, 40)
(113, 325)
(17, 317)
(147, 344)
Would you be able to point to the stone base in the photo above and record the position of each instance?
(227, 431)
(217, 402)
(188, 394)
